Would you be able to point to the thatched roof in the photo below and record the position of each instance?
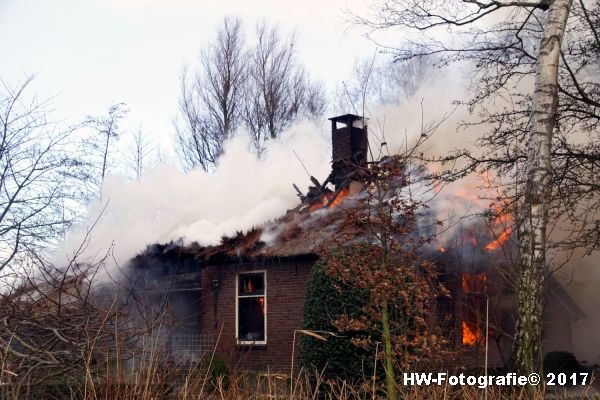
(299, 232)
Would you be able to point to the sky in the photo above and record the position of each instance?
(88, 54)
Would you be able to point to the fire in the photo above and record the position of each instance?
(499, 242)
(326, 200)
(469, 337)
(261, 303)
(474, 283)
(477, 235)
(504, 223)
(340, 197)
(474, 286)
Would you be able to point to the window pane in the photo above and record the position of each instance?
(252, 284)
(251, 314)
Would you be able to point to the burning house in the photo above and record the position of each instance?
(245, 297)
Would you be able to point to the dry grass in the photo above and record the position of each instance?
(146, 372)
(149, 376)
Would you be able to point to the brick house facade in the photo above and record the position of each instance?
(245, 297)
(285, 284)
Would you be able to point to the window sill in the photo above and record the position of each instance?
(253, 345)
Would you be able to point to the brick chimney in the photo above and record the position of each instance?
(349, 148)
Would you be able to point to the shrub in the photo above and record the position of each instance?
(337, 357)
(562, 362)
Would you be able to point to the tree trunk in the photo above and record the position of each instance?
(531, 269)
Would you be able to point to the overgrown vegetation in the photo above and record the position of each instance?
(374, 263)
(327, 299)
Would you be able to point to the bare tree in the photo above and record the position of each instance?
(534, 218)
(262, 89)
(39, 175)
(316, 101)
(223, 68)
(60, 323)
(210, 101)
(376, 83)
(141, 153)
(279, 89)
(107, 128)
(196, 143)
(526, 41)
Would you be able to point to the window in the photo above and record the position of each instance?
(251, 308)
(473, 314)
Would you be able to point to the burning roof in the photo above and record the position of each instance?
(299, 232)
(319, 216)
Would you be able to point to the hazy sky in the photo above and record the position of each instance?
(90, 53)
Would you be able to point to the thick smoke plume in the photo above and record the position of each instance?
(243, 191)
(167, 204)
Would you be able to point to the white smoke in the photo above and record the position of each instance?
(243, 191)
(167, 204)
(431, 111)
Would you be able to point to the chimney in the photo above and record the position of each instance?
(349, 148)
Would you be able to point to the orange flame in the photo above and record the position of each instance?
(261, 303)
(469, 337)
(325, 200)
(473, 285)
(503, 222)
(500, 241)
(340, 197)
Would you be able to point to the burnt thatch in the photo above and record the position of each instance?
(295, 234)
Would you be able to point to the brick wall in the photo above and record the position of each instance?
(286, 285)
(341, 144)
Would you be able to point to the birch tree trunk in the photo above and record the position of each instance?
(527, 348)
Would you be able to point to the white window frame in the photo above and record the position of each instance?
(237, 308)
